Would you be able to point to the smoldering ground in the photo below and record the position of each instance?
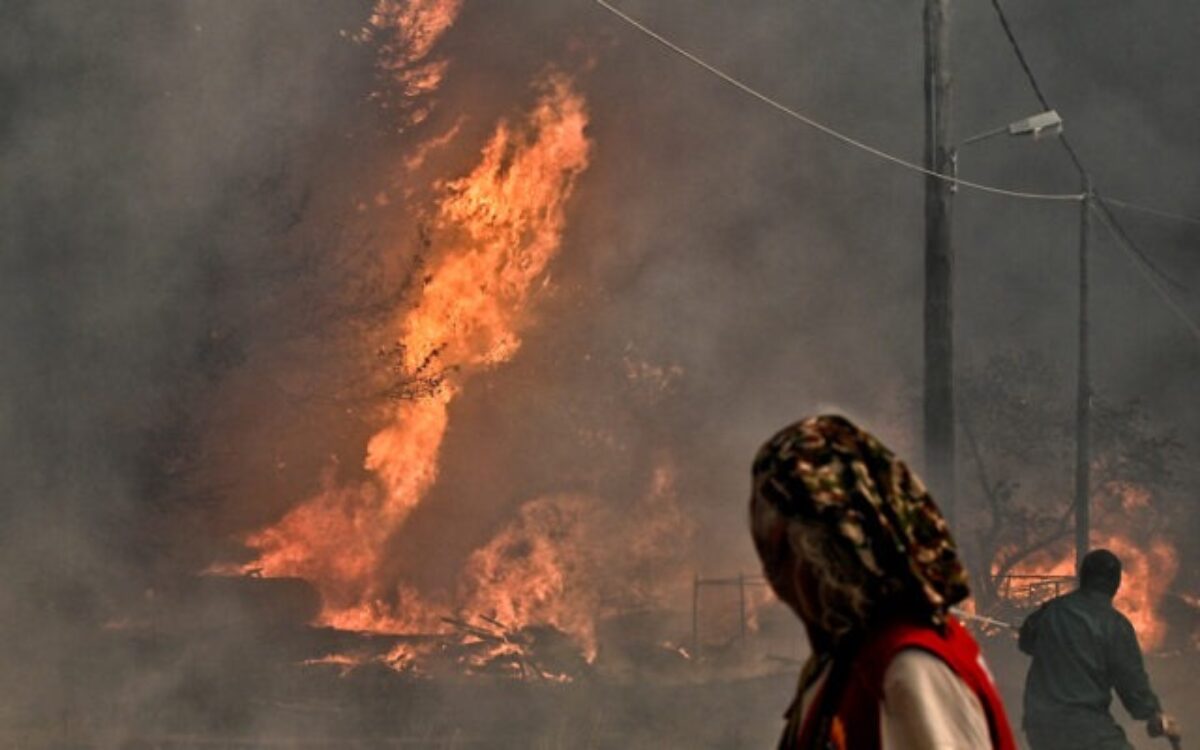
(190, 192)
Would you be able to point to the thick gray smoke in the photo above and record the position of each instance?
(141, 144)
(183, 187)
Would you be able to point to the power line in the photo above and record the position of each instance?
(1133, 246)
(1041, 97)
(1114, 224)
(1154, 276)
(1150, 278)
(1033, 83)
(1128, 242)
(1153, 211)
(827, 130)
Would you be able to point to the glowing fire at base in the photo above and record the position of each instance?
(1149, 568)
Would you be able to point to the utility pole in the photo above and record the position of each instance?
(1083, 389)
(939, 261)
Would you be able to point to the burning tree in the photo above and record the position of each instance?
(371, 312)
(1018, 431)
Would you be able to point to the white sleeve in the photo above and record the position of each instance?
(927, 707)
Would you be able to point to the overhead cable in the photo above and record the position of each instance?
(1066, 143)
(1152, 279)
(827, 130)
(1101, 204)
(1033, 83)
(1041, 97)
(1152, 211)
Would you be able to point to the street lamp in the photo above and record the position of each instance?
(1046, 123)
(1034, 126)
(939, 331)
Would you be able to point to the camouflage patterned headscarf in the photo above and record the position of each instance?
(826, 470)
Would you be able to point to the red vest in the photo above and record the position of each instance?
(855, 722)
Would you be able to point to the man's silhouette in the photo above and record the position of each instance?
(1083, 649)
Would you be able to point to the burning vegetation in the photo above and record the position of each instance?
(1150, 565)
(497, 229)
(563, 562)
(1017, 435)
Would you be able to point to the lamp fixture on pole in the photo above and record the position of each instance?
(1048, 124)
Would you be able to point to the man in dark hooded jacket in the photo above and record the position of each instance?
(1083, 649)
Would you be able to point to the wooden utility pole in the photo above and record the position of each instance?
(939, 261)
(1083, 390)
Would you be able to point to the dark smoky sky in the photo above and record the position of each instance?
(154, 152)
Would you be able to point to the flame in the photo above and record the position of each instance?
(567, 560)
(493, 233)
(344, 662)
(422, 151)
(533, 571)
(408, 657)
(417, 26)
(1148, 567)
(406, 32)
(1148, 572)
(498, 228)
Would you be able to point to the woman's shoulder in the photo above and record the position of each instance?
(926, 704)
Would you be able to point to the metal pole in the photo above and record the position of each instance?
(939, 265)
(1083, 390)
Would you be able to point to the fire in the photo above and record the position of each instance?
(567, 560)
(564, 560)
(343, 662)
(546, 578)
(1147, 576)
(417, 25)
(406, 32)
(421, 153)
(506, 219)
(1148, 568)
(497, 229)
(533, 571)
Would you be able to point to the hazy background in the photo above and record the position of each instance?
(186, 184)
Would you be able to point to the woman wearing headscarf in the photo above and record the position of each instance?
(853, 543)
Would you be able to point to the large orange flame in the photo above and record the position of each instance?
(1149, 566)
(564, 560)
(497, 229)
(1149, 570)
